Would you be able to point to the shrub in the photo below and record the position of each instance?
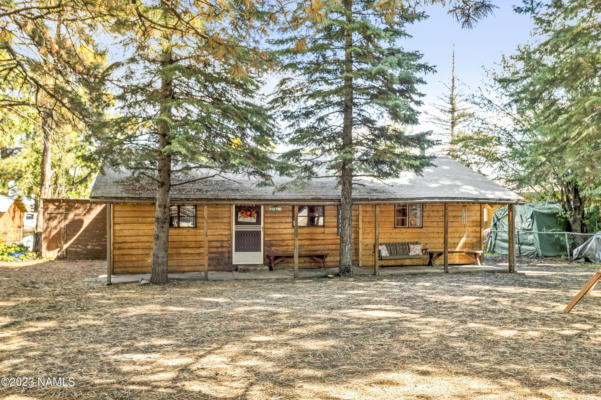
(7, 250)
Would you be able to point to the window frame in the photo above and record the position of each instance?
(408, 205)
(179, 216)
(309, 226)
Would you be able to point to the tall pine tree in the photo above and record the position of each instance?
(352, 91)
(185, 98)
(553, 83)
(452, 112)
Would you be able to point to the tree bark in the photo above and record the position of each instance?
(573, 205)
(45, 177)
(453, 99)
(346, 174)
(160, 251)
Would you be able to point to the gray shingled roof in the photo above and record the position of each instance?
(446, 180)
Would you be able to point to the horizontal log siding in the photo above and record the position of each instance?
(133, 229)
(461, 236)
(279, 236)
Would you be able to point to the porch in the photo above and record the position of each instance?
(217, 238)
(313, 273)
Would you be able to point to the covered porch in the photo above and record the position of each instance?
(283, 274)
(446, 249)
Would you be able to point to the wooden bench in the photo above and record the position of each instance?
(475, 255)
(276, 258)
(400, 251)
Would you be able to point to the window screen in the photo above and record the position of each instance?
(408, 216)
(311, 216)
(182, 216)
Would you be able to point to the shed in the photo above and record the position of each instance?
(74, 229)
(221, 222)
(12, 211)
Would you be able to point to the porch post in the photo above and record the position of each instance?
(295, 216)
(206, 243)
(109, 243)
(359, 242)
(377, 239)
(446, 238)
(511, 238)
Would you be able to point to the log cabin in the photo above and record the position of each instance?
(223, 222)
(12, 211)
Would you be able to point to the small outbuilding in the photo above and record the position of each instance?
(74, 229)
(12, 211)
(222, 222)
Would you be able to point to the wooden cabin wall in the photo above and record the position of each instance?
(279, 236)
(133, 229)
(430, 235)
(11, 224)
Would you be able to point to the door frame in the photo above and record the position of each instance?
(261, 228)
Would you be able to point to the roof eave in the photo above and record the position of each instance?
(316, 201)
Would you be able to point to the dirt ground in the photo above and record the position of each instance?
(461, 336)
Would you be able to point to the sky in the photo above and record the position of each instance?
(475, 49)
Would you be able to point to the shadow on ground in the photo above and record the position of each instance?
(465, 336)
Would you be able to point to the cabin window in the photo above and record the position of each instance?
(310, 216)
(408, 216)
(182, 216)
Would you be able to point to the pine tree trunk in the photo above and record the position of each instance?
(45, 177)
(453, 100)
(160, 251)
(346, 176)
(573, 205)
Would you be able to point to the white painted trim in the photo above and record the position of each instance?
(247, 258)
(233, 234)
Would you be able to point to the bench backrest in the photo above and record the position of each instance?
(398, 248)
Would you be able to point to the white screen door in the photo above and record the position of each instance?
(248, 235)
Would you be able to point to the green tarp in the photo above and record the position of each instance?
(529, 219)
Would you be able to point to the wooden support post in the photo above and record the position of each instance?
(482, 227)
(586, 289)
(359, 251)
(206, 243)
(377, 240)
(295, 213)
(109, 243)
(511, 238)
(446, 238)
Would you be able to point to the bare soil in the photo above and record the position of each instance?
(460, 336)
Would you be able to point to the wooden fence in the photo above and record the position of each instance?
(11, 236)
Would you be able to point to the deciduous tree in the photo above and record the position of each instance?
(48, 65)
